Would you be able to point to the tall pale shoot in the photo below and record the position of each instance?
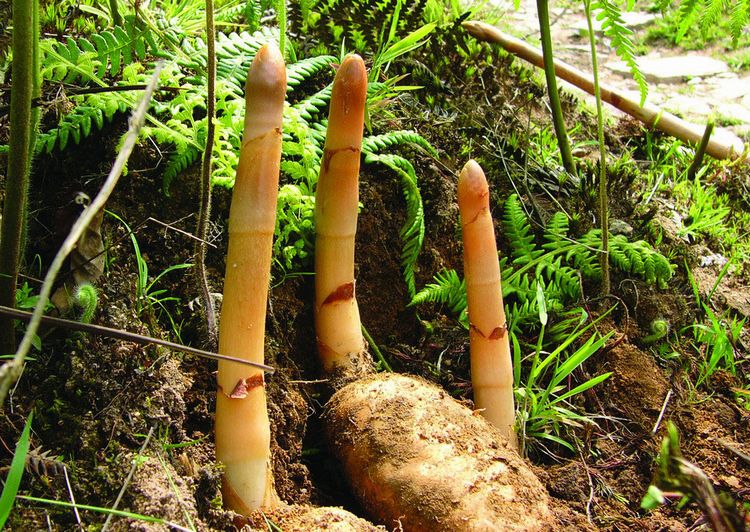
(337, 321)
(242, 425)
(491, 363)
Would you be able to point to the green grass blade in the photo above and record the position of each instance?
(407, 44)
(581, 387)
(552, 437)
(15, 473)
(119, 513)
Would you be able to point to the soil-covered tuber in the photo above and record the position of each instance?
(418, 459)
(309, 519)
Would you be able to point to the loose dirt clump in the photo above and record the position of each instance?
(157, 489)
(637, 388)
(715, 434)
(306, 519)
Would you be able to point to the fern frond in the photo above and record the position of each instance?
(739, 18)
(377, 143)
(687, 15)
(186, 150)
(518, 232)
(412, 232)
(639, 258)
(87, 61)
(91, 111)
(448, 289)
(314, 104)
(294, 238)
(304, 69)
(614, 27)
(302, 150)
(556, 231)
(712, 10)
(564, 279)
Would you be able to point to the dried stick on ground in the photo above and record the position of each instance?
(11, 370)
(723, 144)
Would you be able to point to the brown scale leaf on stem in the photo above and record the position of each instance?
(243, 386)
(342, 293)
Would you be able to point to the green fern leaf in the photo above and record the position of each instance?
(311, 106)
(518, 232)
(391, 139)
(448, 289)
(687, 15)
(739, 18)
(556, 231)
(91, 111)
(412, 232)
(91, 60)
(614, 27)
(302, 70)
(712, 10)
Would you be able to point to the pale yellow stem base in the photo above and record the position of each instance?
(242, 444)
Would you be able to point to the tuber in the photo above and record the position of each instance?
(242, 425)
(418, 460)
(491, 364)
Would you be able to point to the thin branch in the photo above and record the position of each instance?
(10, 371)
(125, 484)
(127, 336)
(78, 91)
(72, 498)
(204, 213)
(178, 230)
(661, 413)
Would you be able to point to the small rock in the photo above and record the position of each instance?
(620, 227)
(733, 89)
(733, 112)
(732, 481)
(713, 259)
(632, 19)
(674, 69)
(688, 106)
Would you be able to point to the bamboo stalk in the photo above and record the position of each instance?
(337, 321)
(242, 426)
(491, 363)
(723, 144)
